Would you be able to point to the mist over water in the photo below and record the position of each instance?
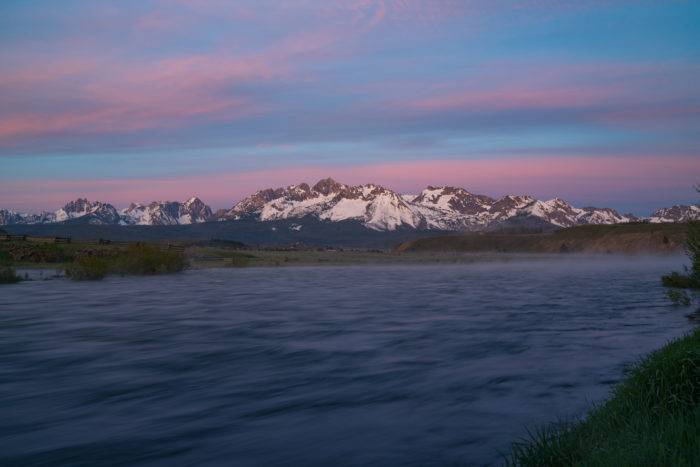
(381, 365)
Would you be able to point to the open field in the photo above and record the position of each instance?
(601, 239)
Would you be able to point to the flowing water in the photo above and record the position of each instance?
(383, 365)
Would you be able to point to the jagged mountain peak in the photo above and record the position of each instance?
(375, 206)
(436, 207)
(167, 213)
(95, 212)
(676, 214)
(327, 186)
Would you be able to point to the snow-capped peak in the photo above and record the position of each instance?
(167, 213)
(375, 206)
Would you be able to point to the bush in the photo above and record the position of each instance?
(679, 297)
(30, 252)
(137, 259)
(8, 275)
(680, 281)
(653, 418)
(143, 259)
(5, 258)
(88, 268)
(691, 279)
(692, 247)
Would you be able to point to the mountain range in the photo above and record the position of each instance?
(376, 207)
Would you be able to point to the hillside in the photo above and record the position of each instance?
(623, 238)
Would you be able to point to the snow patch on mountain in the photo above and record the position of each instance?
(676, 214)
(191, 211)
(376, 207)
(443, 208)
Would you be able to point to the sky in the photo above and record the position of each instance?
(594, 101)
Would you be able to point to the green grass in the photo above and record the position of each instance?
(136, 259)
(653, 418)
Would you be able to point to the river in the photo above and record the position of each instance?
(371, 365)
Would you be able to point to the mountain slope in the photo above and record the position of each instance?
(83, 211)
(191, 211)
(372, 206)
(443, 208)
(676, 214)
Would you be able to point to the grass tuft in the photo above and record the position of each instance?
(653, 418)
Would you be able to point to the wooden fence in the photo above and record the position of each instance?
(100, 241)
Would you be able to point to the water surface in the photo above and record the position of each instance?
(410, 365)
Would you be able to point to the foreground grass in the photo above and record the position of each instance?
(137, 259)
(653, 418)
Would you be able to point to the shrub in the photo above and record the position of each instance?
(5, 258)
(36, 252)
(137, 259)
(143, 259)
(692, 248)
(8, 275)
(88, 268)
(690, 280)
(679, 297)
(680, 281)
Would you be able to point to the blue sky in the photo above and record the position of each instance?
(131, 99)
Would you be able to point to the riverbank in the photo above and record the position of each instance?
(640, 238)
(624, 239)
(653, 418)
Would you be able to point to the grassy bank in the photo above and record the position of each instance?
(653, 418)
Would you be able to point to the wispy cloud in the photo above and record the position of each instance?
(353, 82)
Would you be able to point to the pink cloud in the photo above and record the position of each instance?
(109, 97)
(610, 93)
(513, 98)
